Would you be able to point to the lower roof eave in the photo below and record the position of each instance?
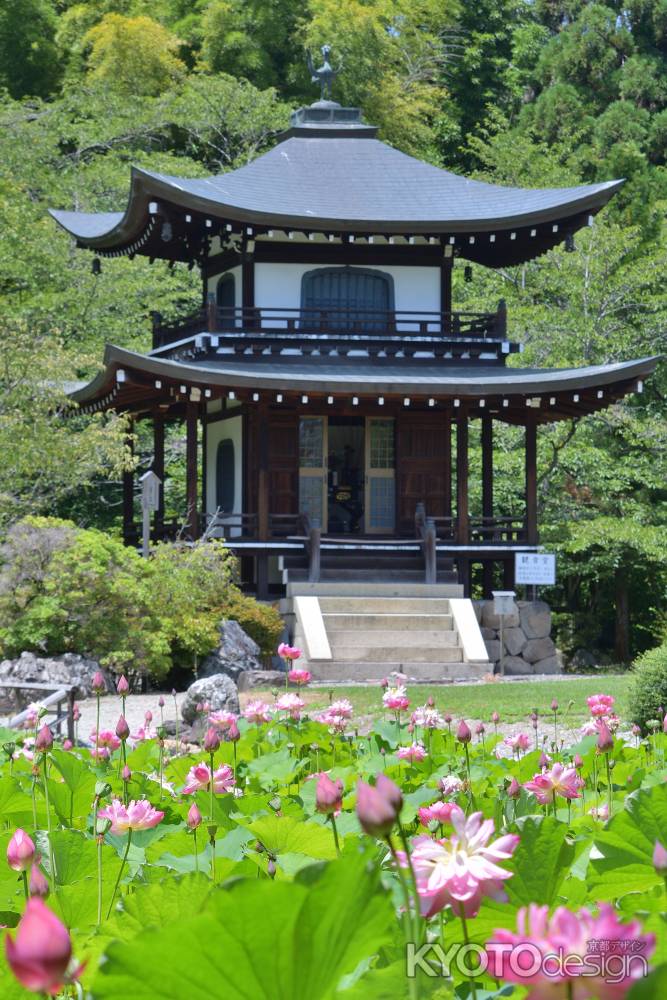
(473, 382)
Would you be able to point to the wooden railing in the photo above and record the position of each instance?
(332, 322)
(480, 529)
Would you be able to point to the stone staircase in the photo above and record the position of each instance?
(366, 631)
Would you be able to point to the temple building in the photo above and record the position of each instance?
(328, 385)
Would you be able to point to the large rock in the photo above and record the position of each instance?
(535, 619)
(538, 649)
(492, 649)
(489, 633)
(261, 678)
(492, 620)
(514, 640)
(68, 668)
(237, 652)
(550, 665)
(516, 666)
(477, 608)
(218, 690)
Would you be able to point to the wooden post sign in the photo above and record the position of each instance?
(503, 604)
(150, 501)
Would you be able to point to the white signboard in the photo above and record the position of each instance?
(150, 491)
(503, 602)
(535, 568)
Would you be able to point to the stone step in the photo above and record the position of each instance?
(360, 588)
(342, 638)
(387, 654)
(439, 671)
(409, 622)
(371, 574)
(407, 606)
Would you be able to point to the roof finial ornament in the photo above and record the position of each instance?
(325, 75)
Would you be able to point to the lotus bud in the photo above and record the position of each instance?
(160, 702)
(194, 816)
(664, 724)
(328, 795)
(122, 687)
(480, 729)
(126, 774)
(122, 728)
(148, 717)
(495, 718)
(39, 885)
(271, 868)
(514, 789)
(40, 953)
(554, 705)
(578, 761)
(20, 851)
(375, 811)
(448, 718)
(463, 733)
(660, 859)
(211, 740)
(543, 761)
(384, 683)
(44, 740)
(76, 712)
(67, 744)
(98, 684)
(233, 734)
(430, 701)
(605, 741)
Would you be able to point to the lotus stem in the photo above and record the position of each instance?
(120, 872)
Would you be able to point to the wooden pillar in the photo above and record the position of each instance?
(487, 498)
(263, 470)
(128, 495)
(462, 514)
(248, 289)
(531, 481)
(446, 268)
(191, 491)
(158, 469)
(448, 465)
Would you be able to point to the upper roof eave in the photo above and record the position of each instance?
(114, 230)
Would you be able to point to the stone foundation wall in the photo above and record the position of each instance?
(529, 648)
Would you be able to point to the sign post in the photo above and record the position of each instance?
(503, 604)
(150, 501)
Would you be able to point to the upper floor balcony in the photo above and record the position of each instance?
(332, 324)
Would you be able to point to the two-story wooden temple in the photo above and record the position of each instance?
(328, 382)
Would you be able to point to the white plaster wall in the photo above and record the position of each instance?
(415, 288)
(215, 433)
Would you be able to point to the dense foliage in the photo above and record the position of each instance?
(285, 877)
(532, 93)
(648, 691)
(64, 588)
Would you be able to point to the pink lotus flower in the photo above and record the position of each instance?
(300, 677)
(396, 698)
(257, 711)
(199, 779)
(336, 722)
(560, 780)
(328, 795)
(291, 704)
(600, 704)
(414, 753)
(600, 812)
(450, 784)
(289, 652)
(107, 738)
(458, 871)
(428, 718)
(342, 707)
(40, 954)
(438, 812)
(137, 815)
(518, 743)
(222, 720)
(559, 957)
(32, 716)
(20, 851)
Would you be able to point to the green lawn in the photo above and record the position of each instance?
(513, 700)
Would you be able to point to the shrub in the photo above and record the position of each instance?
(648, 691)
(261, 621)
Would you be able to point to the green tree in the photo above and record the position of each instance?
(134, 55)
